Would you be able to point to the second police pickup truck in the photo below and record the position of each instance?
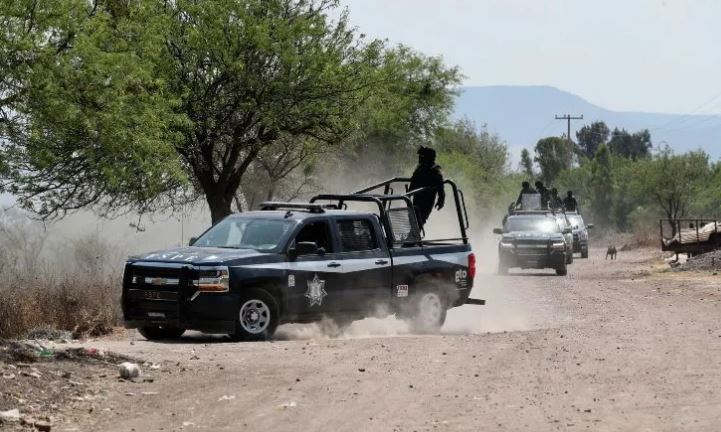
(303, 262)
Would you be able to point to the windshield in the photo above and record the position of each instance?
(245, 233)
(576, 221)
(531, 224)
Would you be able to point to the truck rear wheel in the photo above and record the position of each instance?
(257, 317)
(584, 252)
(569, 257)
(160, 332)
(428, 312)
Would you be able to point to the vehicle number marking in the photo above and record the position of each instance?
(291, 281)
(461, 275)
(402, 291)
(151, 295)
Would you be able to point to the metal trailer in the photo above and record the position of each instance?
(690, 236)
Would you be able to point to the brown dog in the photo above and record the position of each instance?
(611, 251)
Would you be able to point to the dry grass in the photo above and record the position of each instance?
(69, 285)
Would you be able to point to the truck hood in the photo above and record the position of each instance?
(198, 255)
(531, 236)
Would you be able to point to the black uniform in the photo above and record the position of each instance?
(427, 174)
(570, 204)
(555, 201)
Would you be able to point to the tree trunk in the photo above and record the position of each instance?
(219, 207)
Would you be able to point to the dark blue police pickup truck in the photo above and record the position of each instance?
(303, 262)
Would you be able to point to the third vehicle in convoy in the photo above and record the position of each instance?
(580, 233)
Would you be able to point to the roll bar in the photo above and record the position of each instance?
(460, 202)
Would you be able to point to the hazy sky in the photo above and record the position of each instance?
(640, 55)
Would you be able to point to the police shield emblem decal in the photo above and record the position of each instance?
(316, 291)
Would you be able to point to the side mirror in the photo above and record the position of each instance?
(589, 226)
(305, 248)
(192, 240)
(497, 231)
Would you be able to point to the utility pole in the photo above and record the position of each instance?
(568, 118)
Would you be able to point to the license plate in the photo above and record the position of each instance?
(156, 314)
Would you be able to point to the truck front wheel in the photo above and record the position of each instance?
(428, 312)
(160, 332)
(257, 317)
(562, 270)
(584, 252)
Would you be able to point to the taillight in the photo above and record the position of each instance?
(471, 266)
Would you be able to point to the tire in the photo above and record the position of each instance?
(258, 316)
(569, 258)
(562, 271)
(584, 252)
(161, 332)
(428, 312)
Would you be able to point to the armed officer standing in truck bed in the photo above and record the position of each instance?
(570, 203)
(525, 189)
(427, 174)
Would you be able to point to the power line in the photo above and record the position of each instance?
(568, 119)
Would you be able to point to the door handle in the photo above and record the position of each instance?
(381, 261)
(334, 264)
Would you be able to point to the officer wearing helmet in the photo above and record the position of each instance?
(427, 175)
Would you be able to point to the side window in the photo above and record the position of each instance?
(317, 232)
(356, 235)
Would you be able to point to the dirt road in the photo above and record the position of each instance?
(614, 346)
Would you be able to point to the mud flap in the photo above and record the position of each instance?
(473, 301)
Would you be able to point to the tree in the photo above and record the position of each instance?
(90, 122)
(674, 180)
(590, 137)
(602, 185)
(476, 159)
(553, 155)
(527, 164)
(144, 105)
(631, 146)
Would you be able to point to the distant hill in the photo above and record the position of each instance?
(521, 115)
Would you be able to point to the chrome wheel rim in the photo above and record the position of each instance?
(431, 308)
(254, 316)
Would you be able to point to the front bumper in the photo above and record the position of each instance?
(210, 313)
(554, 259)
(177, 304)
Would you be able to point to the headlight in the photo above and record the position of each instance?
(558, 245)
(216, 279)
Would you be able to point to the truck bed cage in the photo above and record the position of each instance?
(385, 195)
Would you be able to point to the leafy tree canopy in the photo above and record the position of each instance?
(590, 137)
(631, 145)
(145, 105)
(553, 155)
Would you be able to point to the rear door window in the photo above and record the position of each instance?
(357, 235)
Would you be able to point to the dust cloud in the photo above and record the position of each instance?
(508, 307)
